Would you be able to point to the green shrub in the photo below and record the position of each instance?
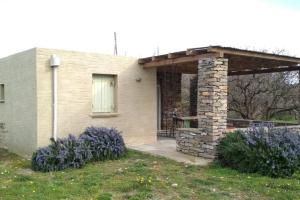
(271, 152)
(233, 150)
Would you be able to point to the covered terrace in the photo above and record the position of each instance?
(212, 65)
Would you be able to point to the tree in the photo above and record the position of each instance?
(263, 96)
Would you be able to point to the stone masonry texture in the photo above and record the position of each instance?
(211, 110)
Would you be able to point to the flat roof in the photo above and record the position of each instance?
(240, 61)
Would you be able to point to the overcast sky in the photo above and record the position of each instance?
(142, 26)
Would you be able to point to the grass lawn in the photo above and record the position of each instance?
(139, 176)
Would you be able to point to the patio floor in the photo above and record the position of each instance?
(167, 147)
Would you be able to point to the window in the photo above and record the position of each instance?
(2, 97)
(104, 93)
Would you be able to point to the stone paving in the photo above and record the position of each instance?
(166, 147)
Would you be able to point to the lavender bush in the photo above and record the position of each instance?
(105, 143)
(64, 153)
(268, 151)
(71, 152)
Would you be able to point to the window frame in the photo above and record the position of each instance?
(115, 102)
(2, 92)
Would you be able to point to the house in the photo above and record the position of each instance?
(26, 108)
(48, 93)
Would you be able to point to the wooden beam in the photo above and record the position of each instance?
(176, 54)
(240, 63)
(144, 60)
(179, 60)
(179, 69)
(258, 66)
(253, 54)
(270, 70)
(190, 52)
(159, 57)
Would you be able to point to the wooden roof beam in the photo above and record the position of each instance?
(179, 60)
(253, 54)
(144, 60)
(196, 51)
(179, 69)
(250, 67)
(159, 57)
(270, 70)
(176, 54)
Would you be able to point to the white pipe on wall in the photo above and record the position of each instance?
(54, 101)
(54, 63)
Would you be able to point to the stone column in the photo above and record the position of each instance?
(211, 110)
(212, 100)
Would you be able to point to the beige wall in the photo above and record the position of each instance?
(18, 112)
(136, 100)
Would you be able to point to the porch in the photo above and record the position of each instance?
(199, 128)
(166, 147)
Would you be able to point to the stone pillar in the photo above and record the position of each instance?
(212, 101)
(212, 96)
(211, 110)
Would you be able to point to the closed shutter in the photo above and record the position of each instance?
(103, 93)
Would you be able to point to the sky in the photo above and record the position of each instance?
(144, 27)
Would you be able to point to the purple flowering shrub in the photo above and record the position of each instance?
(64, 153)
(105, 143)
(269, 151)
(71, 152)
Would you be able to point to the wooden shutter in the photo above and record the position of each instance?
(103, 93)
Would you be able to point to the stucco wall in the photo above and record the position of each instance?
(136, 100)
(3, 134)
(18, 113)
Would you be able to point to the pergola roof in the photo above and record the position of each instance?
(240, 61)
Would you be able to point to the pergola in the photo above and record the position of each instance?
(213, 65)
(240, 62)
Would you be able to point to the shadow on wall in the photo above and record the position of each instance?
(2, 135)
